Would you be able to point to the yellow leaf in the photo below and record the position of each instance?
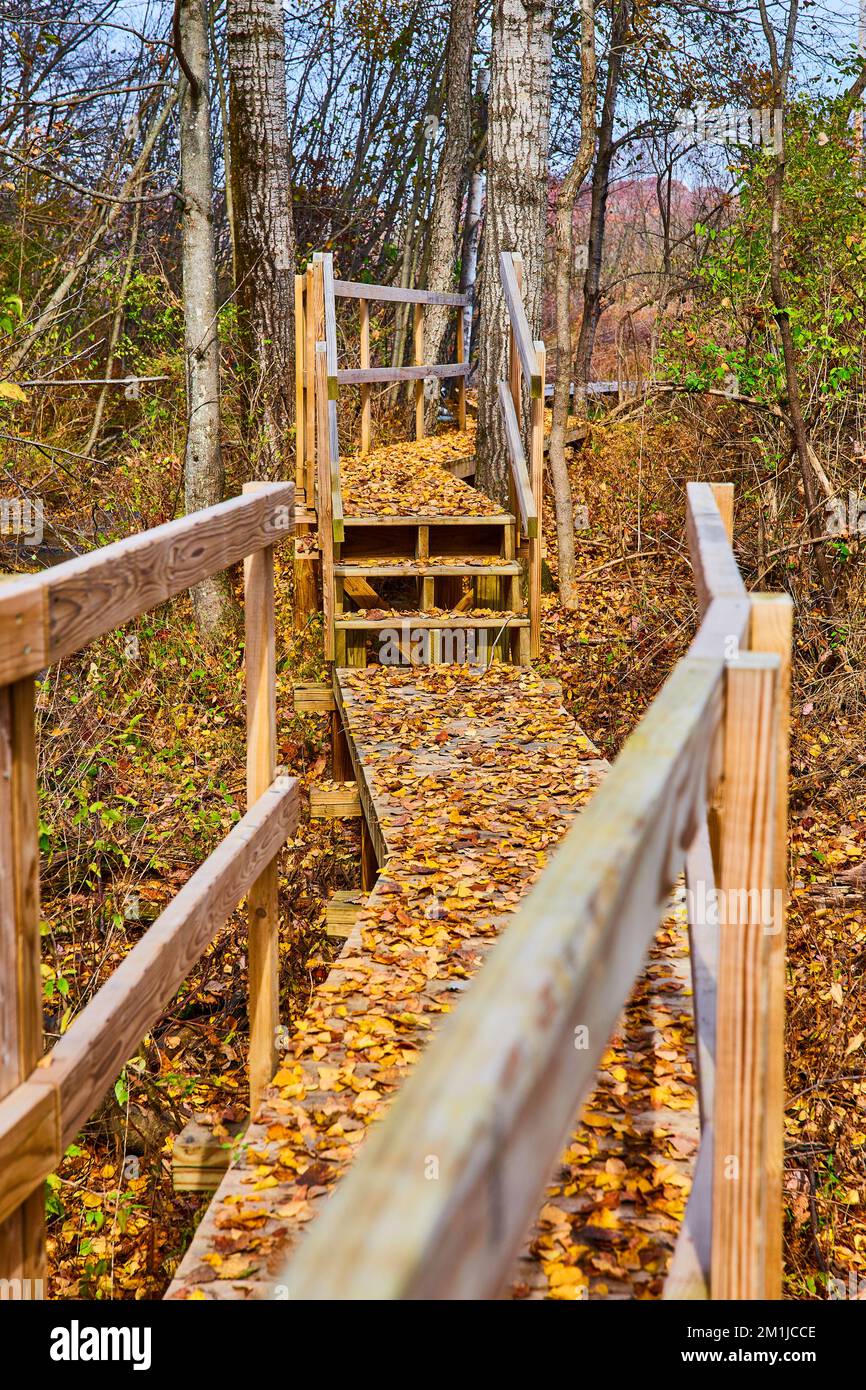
(11, 391)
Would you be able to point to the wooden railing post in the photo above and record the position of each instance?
(364, 320)
(746, 884)
(300, 405)
(536, 478)
(461, 380)
(325, 513)
(22, 1235)
(771, 630)
(310, 391)
(419, 361)
(263, 897)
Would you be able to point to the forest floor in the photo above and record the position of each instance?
(141, 764)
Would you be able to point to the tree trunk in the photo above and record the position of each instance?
(261, 192)
(472, 220)
(204, 479)
(598, 208)
(563, 280)
(450, 180)
(517, 144)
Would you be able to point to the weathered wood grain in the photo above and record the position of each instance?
(396, 294)
(91, 1055)
(523, 339)
(359, 376)
(526, 504)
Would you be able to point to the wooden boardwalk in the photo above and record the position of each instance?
(468, 778)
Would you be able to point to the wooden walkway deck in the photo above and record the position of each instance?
(467, 779)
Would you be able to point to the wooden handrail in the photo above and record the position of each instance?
(42, 1115)
(396, 294)
(519, 323)
(358, 376)
(45, 617)
(517, 459)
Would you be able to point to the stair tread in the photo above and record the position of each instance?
(364, 620)
(428, 519)
(436, 565)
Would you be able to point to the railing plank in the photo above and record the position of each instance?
(715, 568)
(494, 1097)
(526, 503)
(395, 294)
(91, 1055)
(91, 595)
(359, 376)
(519, 323)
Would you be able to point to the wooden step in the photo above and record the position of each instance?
(313, 697)
(358, 622)
(199, 1159)
(469, 567)
(342, 911)
(431, 519)
(334, 801)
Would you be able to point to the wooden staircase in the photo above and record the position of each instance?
(417, 566)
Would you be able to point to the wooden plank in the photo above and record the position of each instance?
(772, 631)
(364, 319)
(22, 1234)
(300, 405)
(29, 1150)
(704, 954)
(263, 916)
(740, 1199)
(496, 1092)
(446, 569)
(335, 801)
(431, 519)
(106, 588)
(461, 380)
(325, 498)
(330, 323)
(24, 644)
(514, 373)
(396, 294)
(358, 376)
(517, 459)
(311, 330)
(91, 1055)
(536, 480)
(404, 624)
(199, 1159)
(312, 697)
(519, 322)
(418, 344)
(723, 495)
(342, 911)
(715, 568)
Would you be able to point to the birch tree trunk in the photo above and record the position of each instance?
(204, 479)
(450, 177)
(265, 248)
(620, 17)
(517, 143)
(564, 276)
